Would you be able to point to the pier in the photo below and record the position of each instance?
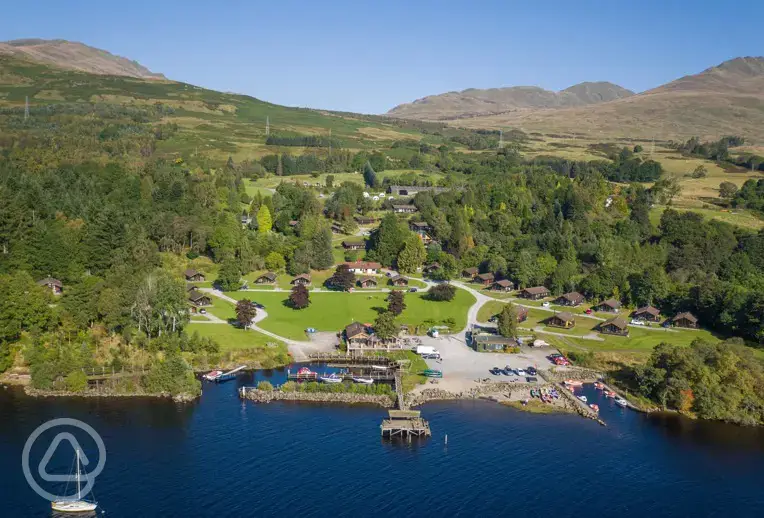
(403, 422)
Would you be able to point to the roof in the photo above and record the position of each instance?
(472, 271)
(419, 224)
(618, 322)
(493, 339)
(349, 242)
(196, 296)
(685, 315)
(363, 265)
(486, 276)
(366, 279)
(573, 296)
(302, 276)
(565, 316)
(648, 309)
(432, 266)
(408, 206)
(504, 283)
(611, 303)
(355, 329)
(268, 275)
(191, 272)
(396, 278)
(50, 281)
(536, 290)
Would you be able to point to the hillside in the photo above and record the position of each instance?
(72, 55)
(724, 100)
(474, 102)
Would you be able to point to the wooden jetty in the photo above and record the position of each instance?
(406, 424)
(379, 377)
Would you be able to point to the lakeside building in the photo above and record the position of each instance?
(194, 276)
(563, 319)
(399, 281)
(302, 280)
(492, 343)
(571, 299)
(54, 285)
(470, 273)
(366, 267)
(360, 338)
(503, 285)
(648, 313)
(404, 209)
(266, 278)
(197, 299)
(615, 326)
(354, 245)
(608, 306)
(367, 282)
(535, 293)
(484, 278)
(685, 319)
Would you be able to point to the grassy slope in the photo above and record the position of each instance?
(334, 311)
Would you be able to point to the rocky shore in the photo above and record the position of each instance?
(266, 396)
(178, 398)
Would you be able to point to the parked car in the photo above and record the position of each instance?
(413, 290)
(636, 322)
(589, 311)
(545, 304)
(521, 372)
(532, 371)
(203, 311)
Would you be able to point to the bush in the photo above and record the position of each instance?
(441, 293)
(265, 385)
(76, 381)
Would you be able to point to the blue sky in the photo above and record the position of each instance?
(366, 56)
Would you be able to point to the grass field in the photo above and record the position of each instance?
(334, 311)
(230, 337)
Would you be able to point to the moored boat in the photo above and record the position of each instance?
(599, 386)
(610, 394)
(331, 378)
(573, 383)
(212, 376)
(365, 381)
(582, 399)
(72, 505)
(594, 407)
(621, 402)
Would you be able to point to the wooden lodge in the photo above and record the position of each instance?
(266, 278)
(354, 245)
(432, 267)
(484, 278)
(615, 326)
(492, 343)
(685, 319)
(54, 285)
(404, 209)
(503, 285)
(608, 306)
(367, 282)
(192, 287)
(199, 299)
(194, 276)
(420, 227)
(648, 313)
(562, 319)
(535, 293)
(303, 280)
(360, 338)
(469, 273)
(399, 280)
(363, 267)
(365, 220)
(571, 299)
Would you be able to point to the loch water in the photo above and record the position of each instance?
(222, 456)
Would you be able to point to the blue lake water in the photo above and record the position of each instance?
(224, 457)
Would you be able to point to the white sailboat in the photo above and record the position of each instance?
(71, 505)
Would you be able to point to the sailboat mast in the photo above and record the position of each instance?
(79, 496)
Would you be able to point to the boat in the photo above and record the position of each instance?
(594, 407)
(304, 371)
(610, 394)
(71, 505)
(212, 376)
(227, 376)
(365, 381)
(331, 378)
(599, 386)
(582, 398)
(432, 373)
(573, 383)
(621, 402)
(379, 367)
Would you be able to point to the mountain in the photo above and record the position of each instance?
(474, 102)
(727, 99)
(76, 56)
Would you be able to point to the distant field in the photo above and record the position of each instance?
(271, 182)
(230, 337)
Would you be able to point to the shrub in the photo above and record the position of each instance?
(265, 385)
(76, 381)
(441, 292)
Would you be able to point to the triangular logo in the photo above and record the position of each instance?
(43, 467)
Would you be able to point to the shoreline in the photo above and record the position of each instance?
(39, 393)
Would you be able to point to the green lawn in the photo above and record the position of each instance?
(334, 311)
(221, 309)
(230, 337)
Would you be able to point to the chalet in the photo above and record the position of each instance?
(411, 190)
(192, 287)
(502, 285)
(571, 299)
(302, 280)
(615, 326)
(404, 209)
(194, 276)
(360, 337)
(648, 313)
(563, 319)
(492, 343)
(432, 267)
(609, 306)
(399, 280)
(337, 229)
(354, 245)
(535, 293)
(469, 273)
(199, 299)
(685, 319)
(363, 267)
(522, 313)
(485, 278)
(266, 278)
(52, 284)
(420, 227)
(365, 220)
(367, 282)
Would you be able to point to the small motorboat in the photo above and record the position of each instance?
(599, 386)
(331, 378)
(304, 371)
(573, 383)
(212, 376)
(582, 399)
(621, 402)
(365, 381)
(610, 394)
(594, 407)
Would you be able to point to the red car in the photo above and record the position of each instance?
(589, 311)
